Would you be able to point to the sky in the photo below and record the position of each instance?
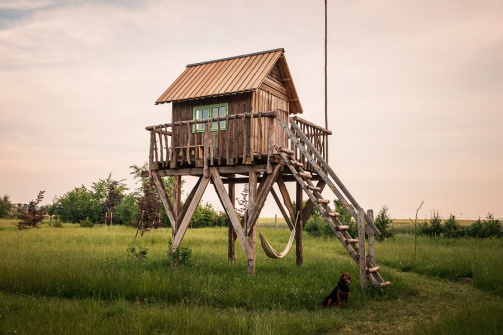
(415, 90)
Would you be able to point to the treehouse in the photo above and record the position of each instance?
(236, 120)
(243, 97)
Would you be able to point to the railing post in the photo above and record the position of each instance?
(371, 239)
(361, 248)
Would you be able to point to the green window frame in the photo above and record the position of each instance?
(208, 112)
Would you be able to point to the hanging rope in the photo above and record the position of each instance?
(270, 251)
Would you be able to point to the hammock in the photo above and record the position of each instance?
(270, 251)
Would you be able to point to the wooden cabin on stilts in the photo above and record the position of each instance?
(234, 121)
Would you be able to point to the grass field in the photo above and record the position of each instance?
(75, 280)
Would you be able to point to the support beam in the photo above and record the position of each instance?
(282, 209)
(231, 248)
(286, 196)
(264, 189)
(190, 212)
(361, 248)
(231, 212)
(299, 224)
(163, 194)
(371, 239)
(188, 201)
(251, 230)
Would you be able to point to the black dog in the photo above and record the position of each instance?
(340, 293)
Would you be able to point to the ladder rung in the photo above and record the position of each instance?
(314, 188)
(374, 269)
(352, 240)
(333, 214)
(323, 201)
(294, 162)
(342, 227)
(385, 284)
(287, 151)
(305, 175)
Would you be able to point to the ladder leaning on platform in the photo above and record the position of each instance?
(355, 246)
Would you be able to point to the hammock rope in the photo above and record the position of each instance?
(270, 251)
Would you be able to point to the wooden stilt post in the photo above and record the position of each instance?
(371, 239)
(299, 249)
(361, 248)
(177, 196)
(231, 251)
(252, 202)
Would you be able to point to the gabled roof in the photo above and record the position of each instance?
(229, 76)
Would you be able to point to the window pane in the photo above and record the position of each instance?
(221, 111)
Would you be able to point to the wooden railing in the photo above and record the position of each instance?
(246, 137)
(317, 135)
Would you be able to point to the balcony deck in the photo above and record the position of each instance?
(247, 139)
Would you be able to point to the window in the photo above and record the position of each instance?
(208, 112)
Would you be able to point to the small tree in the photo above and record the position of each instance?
(31, 215)
(383, 222)
(5, 207)
(242, 207)
(452, 229)
(149, 204)
(434, 227)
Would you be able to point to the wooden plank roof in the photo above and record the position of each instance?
(232, 75)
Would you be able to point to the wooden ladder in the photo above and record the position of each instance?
(368, 267)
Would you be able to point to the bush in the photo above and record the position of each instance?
(181, 256)
(204, 216)
(452, 229)
(434, 227)
(383, 222)
(31, 215)
(5, 207)
(490, 227)
(86, 223)
(317, 226)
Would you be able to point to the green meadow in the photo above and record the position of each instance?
(75, 280)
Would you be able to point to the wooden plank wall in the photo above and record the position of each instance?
(238, 137)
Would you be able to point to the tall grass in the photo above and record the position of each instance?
(469, 260)
(81, 280)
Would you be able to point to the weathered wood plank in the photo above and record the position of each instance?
(251, 231)
(371, 239)
(361, 248)
(163, 194)
(286, 196)
(282, 209)
(264, 189)
(231, 212)
(189, 138)
(190, 212)
(188, 201)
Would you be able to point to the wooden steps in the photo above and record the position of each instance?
(323, 205)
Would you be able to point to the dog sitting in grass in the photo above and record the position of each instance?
(340, 293)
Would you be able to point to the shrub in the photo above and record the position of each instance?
(434, 227)
(31, 215)
(181, 256)
(5, 207)
(452, 229)
(86, 223)
(317, 226)
(139, 254)
(383, 222)
(490, 227)
(204, 216)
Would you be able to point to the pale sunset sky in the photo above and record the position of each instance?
(415, 90)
